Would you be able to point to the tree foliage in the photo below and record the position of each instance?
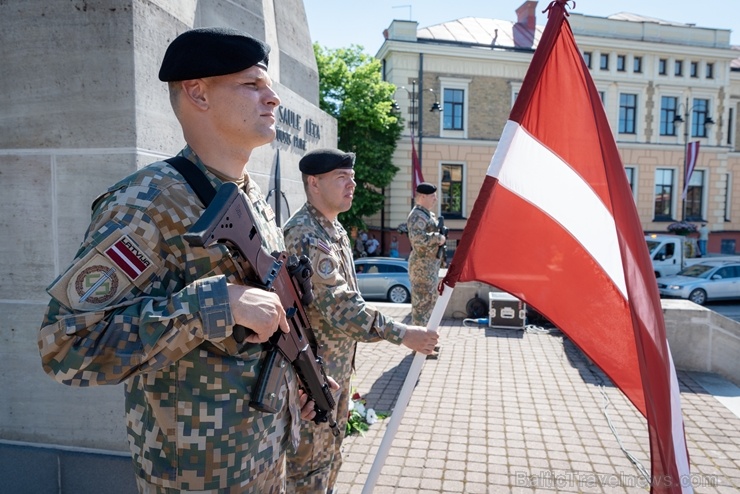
(352, 91)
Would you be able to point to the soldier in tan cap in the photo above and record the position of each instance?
(139, 305)
(339, 315)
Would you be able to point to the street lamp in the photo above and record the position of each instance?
(412, 97)
(435, 106)
(678, 120)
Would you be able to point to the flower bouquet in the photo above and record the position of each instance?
(682, 228)
(360, 417)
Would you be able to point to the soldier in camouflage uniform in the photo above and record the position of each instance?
(423, 262)
(139, 305)
(338, 314)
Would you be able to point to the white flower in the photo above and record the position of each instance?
(360, 408)
(351, 405)
(370, 416)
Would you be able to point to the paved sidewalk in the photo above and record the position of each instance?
(512, 411)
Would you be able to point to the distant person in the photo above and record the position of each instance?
(423, 262)
(703, 238)
(372, 246)
(338, 313)
(394, 247)
(359, 250)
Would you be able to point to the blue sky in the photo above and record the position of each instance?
(340, 23)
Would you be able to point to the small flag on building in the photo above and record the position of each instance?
(692, 151)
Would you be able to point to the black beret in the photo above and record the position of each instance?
(426, 188)
(321, 161)
(211, 51)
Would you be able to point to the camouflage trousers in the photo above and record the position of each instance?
(313, 469)
(423, 298)
(271, 480)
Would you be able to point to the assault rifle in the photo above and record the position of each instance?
(228, 219)
(443, 230)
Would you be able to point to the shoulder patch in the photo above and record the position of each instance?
(128, 257)
(105, 273)
(95, 284)
(326, 267)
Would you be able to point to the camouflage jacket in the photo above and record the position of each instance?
(423, 232)
(140, 305)
(338, 313)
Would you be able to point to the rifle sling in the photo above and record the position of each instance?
(195, 177)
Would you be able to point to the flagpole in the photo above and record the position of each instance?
(403, 398)
(685, 158)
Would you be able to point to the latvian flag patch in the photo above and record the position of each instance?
(128, 257)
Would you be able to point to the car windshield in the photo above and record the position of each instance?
(696, 271)
(652, 245)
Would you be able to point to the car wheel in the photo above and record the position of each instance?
(399, 295)
(698, 296)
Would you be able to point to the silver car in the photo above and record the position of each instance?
(708, 280)
(384, 278)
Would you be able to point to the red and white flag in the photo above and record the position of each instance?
(416, 176)
(692, 151)
(555, 225)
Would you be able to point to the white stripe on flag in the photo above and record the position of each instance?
(124, 256)
(692, 151)
(533, 172)
(679, 444)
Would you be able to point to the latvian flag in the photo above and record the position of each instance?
(128, 257)
(555, 224)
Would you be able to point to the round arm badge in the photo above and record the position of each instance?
(326, 267)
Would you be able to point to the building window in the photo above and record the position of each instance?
(710, 71)
(637, 65)
(587, 58)
(730, 123)
(663, 194)
(694, 69)
(678, 71)
(452, 191)
(728, 196)
(627, 113)
(668, 106)
(695, 196)
(662, 66)
(630, 171)
(699, 116)
(453, 109)
(621, 62)
(604, 61)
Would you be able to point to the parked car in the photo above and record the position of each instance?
(708, 280)
(384, 278)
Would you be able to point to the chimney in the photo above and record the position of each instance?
(526, 24)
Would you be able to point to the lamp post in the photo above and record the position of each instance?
(435, 106)
(678, 120)
(412, 97)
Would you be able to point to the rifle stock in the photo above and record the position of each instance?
(229, 220)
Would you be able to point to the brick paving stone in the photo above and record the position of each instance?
(508, 411)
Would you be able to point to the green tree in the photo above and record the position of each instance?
(352, 91)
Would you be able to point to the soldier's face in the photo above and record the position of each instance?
(243, 106)
(427, 200)
(337, 189)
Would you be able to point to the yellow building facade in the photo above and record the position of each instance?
(662, 84)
